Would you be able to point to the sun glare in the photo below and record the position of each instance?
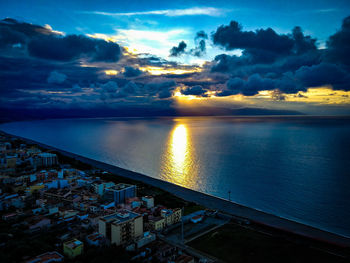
(164, 70)
(111, 72)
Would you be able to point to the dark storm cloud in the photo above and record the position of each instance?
(256, 83)
(179, 50)
(254, 43)
(195, 90)
(288, 63)
(262, 45)
(42, 42)
(338, 45)
(13, 32)
(161, 88)
(302, 43)
(72, 47)
(324, 74)
(131, 72)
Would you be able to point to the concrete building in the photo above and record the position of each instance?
(100, 188)
(45, 160)
(148, 201)
(157, 223)
(119, 193)
(95, 239)
(11, 161)
(146, 239)
(122, 227)
(171, 216)
(73, 248)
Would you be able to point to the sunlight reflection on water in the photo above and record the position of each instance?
(178, 158)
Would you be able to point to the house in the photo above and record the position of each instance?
(47, 257)
(38, 222)
(73, 248)
(157, 223)
(171, 216)
(148, 201)
(95, 239)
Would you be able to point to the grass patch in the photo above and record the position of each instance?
(192, 207)
(233, 243)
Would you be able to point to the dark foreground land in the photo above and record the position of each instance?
(250, 236)
(234, 243)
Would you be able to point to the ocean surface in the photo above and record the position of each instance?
(294, 167)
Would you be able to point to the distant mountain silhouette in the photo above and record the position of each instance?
(34, 114)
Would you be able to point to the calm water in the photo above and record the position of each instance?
(294, 168)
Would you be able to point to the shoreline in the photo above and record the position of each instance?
(212, 202)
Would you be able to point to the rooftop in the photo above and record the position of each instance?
(119, 187)
(47, 257)
(95, 236)
(120, 216)
(73, 243)
(47, 155)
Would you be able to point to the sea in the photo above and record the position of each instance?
(293, 167)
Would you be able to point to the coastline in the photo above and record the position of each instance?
(212, 202)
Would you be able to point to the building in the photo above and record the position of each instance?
(95, 239)
(171, 216)
(11, 161)
(146, 239)
(101, 187)
(37, 187)
(122, 227)
(47, 257)
(73, 248)
(45, 160)
(119, 193)
(157, 223)
(148, 201)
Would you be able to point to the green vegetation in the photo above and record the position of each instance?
(192, 207)
(234, 243)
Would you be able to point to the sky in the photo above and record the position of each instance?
(138, 56)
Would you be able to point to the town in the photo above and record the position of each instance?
(77, 212)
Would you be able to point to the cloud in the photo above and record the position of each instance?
(179, 50)
(200, 48)
(36, 72)
(208, 11)
(232, 37)
(44, 42)
(146, 41)
(76, 88)
(201, 35)
(131, 72)
(324, 74)
(262, 45)
(338, 48)
(286, 63)
(73, 47)
(161, 88)
(109, 87)
(195, 90)
(56, 77)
